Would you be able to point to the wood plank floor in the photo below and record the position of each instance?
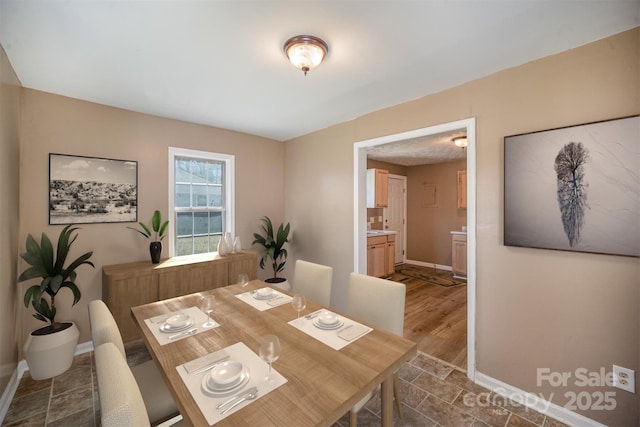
(436, 317)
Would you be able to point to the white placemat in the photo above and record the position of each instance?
(261, 304)
(258, 370)
(199, 317)
(338, 338)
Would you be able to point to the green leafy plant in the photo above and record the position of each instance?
(159, 228)
(273, 245)
(49, 266)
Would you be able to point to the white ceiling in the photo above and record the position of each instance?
(220, 63)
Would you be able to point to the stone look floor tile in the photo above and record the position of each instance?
(26, 406)
(550, 422)
(29, 385)
(82, 418)
(435, 386)
(37, 420)
(69, 403)
(444, 414)
(519, 409)
(432, 366)
(481, 407)
(516, 421)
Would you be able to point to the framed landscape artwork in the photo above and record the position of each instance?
(575, 188)
(92, 190)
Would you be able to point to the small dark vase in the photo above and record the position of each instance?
(155, 249)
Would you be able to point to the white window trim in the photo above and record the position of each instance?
(229, 179)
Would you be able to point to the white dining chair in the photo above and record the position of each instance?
(159, 403)
(121, 403)
(313, 281)
(379, 302)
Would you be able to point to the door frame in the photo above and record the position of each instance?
(404, 212)
(360, 213)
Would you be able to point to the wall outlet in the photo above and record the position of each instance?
(624, 379)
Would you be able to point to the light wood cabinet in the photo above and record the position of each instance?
(132, 284)
(377, 188)
(459, 255)
(381, 253)
(462, 189)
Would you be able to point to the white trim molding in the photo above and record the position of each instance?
(535, 402)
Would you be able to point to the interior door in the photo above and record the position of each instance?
(394, 215)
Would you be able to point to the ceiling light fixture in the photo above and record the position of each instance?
(305, 52)
(460, 141)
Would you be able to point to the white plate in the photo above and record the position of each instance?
(225, 391)
(178, 320)
(264, 295)
(168, 329)
(327, 327)
(226, 374)
(326, 318)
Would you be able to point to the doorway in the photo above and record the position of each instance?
(393, 216)
(360, 166)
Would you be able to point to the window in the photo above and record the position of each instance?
(201, 201)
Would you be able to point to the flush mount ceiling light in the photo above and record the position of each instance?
(305, 52)
(460, 141)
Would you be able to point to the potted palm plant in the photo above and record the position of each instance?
(273, 250)
(49, 350)
(159, 229)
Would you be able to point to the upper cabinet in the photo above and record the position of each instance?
(462, 189)
(377, 188)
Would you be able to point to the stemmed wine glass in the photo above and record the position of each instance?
(207, 303)
(270, 351)
(243, 279)
(299, 303)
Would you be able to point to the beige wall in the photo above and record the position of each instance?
(55, 124)
(535, 308)
(9, 216)
(429, 227)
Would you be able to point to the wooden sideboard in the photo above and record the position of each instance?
(136, 283)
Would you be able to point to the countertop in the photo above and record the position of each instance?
(371, 233)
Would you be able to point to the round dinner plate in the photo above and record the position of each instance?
(327, 318)
(169, 329)
(227, 390)
(257, 295)
(178, 320)
(319, 325)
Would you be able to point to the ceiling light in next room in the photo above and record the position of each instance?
(460, 141)
(306, 52)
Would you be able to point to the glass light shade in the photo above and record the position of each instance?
(460, 141)
(305, 52)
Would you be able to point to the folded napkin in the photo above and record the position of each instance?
(204, 361)
(353, 331)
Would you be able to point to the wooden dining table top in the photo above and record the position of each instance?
(322, 383)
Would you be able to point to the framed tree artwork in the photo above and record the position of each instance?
(575, 188)
(92, 190)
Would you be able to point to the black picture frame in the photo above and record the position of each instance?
(90, 190)
(575, 188)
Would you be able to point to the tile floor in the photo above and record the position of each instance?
(433, 393)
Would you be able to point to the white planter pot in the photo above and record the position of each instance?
(279, 282)
(52, 354)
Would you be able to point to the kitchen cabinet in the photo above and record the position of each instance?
(462, 189)
(381, 253)
(137, 283)
(377, 188)
(459, 254)
(391, 254)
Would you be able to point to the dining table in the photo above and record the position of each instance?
(320, 384)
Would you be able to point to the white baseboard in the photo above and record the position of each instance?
(537, 403)
(429, 264)
(16, 376)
